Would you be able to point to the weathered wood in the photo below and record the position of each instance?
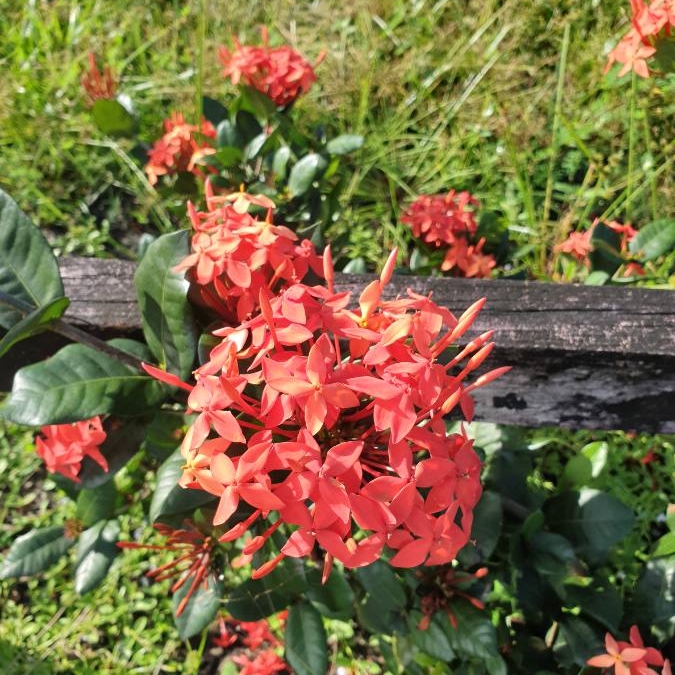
(582, 357)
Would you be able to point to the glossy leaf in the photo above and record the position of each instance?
(112, 118)
(255, 145)
(257, 598)
(305, 640)
(487, 523)
(304, 173)
(261, 105)
(577, 473)
(596, 453)
(653, 602)
(227, 136)
(200, 609)
(605, 255)
(170, 498)
(28, 269)
(602, 604)
(165, 431)
(76, 383)
(335, 598)
(34, 552)
(33, 323)
(654, 239)
(344, 144)
(168, 323)
(576, 642)
(380, 582)
(280, 162)
(475, 636)
(96, 504)
(432, 640)
(214, 111)
(96, 550)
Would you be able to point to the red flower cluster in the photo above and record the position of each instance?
(235, 255)
(181, 148)
(64, 446)
(651, 25)
(98, 85)
(447, 221)
(631, 658)
(279, 72)
(193, 564)
(329, 422)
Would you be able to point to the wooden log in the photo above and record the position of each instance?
(582, 356)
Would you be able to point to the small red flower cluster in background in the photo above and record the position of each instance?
(449, 221)
(194, 562)
(579, 244)
(278, 72)
(328, 420)
(630, 658)
(253, 635)
(235, 255)
(181, 148)
(64, 446)
(98, 85)
(650, 24)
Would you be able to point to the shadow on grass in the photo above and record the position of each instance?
(15, 660)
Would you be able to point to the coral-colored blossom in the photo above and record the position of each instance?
(651, 26)
(264, 663)
(98, 85)
(64, 446)
(325, 421)
(278, 72)
(630, 658)
(181, 148)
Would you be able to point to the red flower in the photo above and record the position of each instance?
(64, 446)
(265, 663)
(577, 244)
(617, 656)
(98, 85)
(280, 72)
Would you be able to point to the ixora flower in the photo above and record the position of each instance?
(98, 85)
(181, 148)
(326, 421)
(651, 35)
(278, 72)
(64, 446)
(630, 658)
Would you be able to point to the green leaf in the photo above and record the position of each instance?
(577, 473)
(225, 158)
(344, 144)
(380, 582)
(596, 453)
(576, 642)
(303, 174)
(96, 550)
(257, 598)
(260, 104)
(605, 255)
(164, 432)
(214, 111)
(355, 266)
(665, 546)
(305, 640)
(432, 640)
(335, 598)
(280, 162)
(597, 278)
(33, 323)
(254, 146)
(227, 135)
(34, 552)
(247, 126)
(96, 504)
(112, 118)
(475, 636)
(168, 323)
(119, 447)
(28, 269)
(76, 383)
(605, 605)
(653, 602)
(592, 520)
(487, 523)
(654, 240)
(170, 498)
(200, 609)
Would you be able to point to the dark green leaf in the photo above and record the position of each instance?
(33, 323)
(475, 636)
(170, 498)
(227, 135)
(431, 640)
(655, 239)
(487, 523)
(280, 162)
(577, 473)
(303, 174)
(602, 604)
(261, 105)
(257, 598)
(112, 118)
(34, 552)
(96, 504)
(305, 639)
(247, 126)
(254, 146)
(335, 598)
(168, 324)
(605, 255)
(119, 447)
(28, 269)
(653, 601)
(380, 582)
(576, 642)
(343, 145)
(214, 111)
(96, 550)
(225, 158)
(200, 609)
(76, 383)
(592, 520)
(164, 433)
